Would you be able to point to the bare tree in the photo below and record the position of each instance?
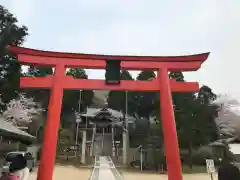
(22, 110)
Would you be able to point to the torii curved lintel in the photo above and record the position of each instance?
(34, 52)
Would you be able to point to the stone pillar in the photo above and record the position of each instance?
(93, 138)
(113, 143)
(125, 147)
(84, 138)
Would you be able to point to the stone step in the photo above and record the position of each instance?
(104, 169)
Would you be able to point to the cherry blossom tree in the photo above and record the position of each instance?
(21, 111)
(228, 120)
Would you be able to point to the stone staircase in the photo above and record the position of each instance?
(107, 144)
(103, 144)
(98, 144)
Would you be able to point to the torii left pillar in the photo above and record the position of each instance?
(48, 154)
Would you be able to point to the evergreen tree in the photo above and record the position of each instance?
(10, 34)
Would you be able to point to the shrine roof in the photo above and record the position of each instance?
(7, 129)
(34, 52)
(94, 112)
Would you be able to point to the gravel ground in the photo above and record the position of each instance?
(142, 176)
(73, 173)
(67, 172)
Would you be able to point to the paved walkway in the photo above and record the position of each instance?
(104, 169)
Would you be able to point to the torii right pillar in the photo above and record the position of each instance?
(172, 154)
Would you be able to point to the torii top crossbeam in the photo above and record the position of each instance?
(173, 63)
(47, 58)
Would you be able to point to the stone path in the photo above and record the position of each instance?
(104, 169)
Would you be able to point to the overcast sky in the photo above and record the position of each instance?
(140, 27)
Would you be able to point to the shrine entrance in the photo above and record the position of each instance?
(59, 81)
(105, 128)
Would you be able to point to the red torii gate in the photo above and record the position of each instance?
(60, 81)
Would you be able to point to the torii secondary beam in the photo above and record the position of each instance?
(126, 85)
